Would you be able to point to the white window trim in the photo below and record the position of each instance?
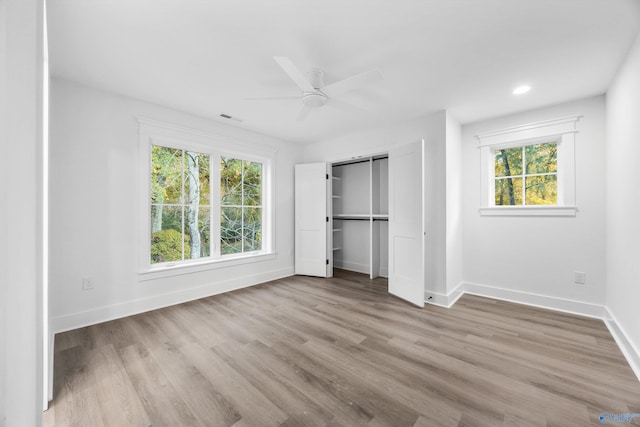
(154, 132)
(561, 130)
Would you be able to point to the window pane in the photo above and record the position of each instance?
(230, 181)
(166, 175)
(205, 187)
(230, 230)
(508, 162)
(166, 233)
(508, 191)
(196, 230)
(541, 158)
(204, 226)
(252, 229)
(252, 175)
(196, 167)
(542, 190)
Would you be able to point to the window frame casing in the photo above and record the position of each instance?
(154, 132)
(562, 131)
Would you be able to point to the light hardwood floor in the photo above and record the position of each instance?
(340, 352)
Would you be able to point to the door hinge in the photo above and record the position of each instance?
(327, 262)
(327, 219)
(327, 176)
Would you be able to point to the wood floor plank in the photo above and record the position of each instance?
(340, 352)
(162, 403)
(253, 406)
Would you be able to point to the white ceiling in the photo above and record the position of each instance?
(466, 56)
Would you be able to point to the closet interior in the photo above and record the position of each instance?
(360, 212)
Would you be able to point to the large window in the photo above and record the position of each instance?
(204, 204)
(529, 169)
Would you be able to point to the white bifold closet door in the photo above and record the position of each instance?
(406, 223)
(311, 226)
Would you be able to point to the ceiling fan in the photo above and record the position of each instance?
(314, 93)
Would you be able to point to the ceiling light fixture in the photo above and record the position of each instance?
(521, 90)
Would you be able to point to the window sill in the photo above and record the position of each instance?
(197, 266)
(529, 211)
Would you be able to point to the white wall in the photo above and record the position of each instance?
(623, 198)
(3, 196)
(540, 254)
(93, 207)
(453, 203)
(435, 206)
(433, 129)
(21, 62)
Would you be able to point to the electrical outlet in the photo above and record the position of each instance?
(88, 284)
(579, 277)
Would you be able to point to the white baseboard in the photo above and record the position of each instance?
(630, 352)
(51, 351)
(352, 266)
(129, 308)
(444, 300)
(537, 300)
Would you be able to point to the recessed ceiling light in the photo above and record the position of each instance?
(521, 89)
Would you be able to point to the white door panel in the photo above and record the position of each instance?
(311, 252)
(406, 234)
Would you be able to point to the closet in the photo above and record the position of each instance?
(365, 214)
(360, 214)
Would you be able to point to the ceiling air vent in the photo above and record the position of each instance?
(226, 116)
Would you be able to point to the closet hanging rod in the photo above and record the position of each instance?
(351, 163)
(342, 218)
(381, 219)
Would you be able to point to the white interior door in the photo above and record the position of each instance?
(406, 233)
(311, 226)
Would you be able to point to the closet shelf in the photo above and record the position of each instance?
(337, 249)
(337, 229)
(336, 197)
(337, 178)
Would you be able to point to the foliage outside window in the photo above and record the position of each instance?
(526, 175)
(183, 205)
(180, 205)
(240, 206)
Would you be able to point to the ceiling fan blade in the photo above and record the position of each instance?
(303, 113)
(294, 73)
(352, 83)
(345, 106)
(271, 98)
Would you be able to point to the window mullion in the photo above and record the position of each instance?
(242, 205)
(216, 203)
(182, 200)
(524, 176)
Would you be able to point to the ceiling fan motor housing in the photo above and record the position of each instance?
(314, 99)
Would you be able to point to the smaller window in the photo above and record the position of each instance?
(529, 169)
(526, 175)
